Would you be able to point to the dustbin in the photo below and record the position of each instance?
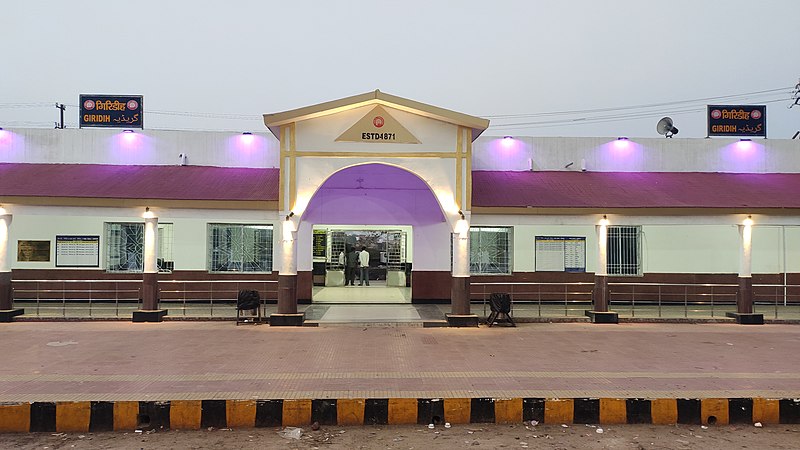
(500, 303)
(248, 301)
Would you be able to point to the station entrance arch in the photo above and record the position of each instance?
(398, 161)
(382, 207)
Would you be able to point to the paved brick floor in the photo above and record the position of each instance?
(68, 361)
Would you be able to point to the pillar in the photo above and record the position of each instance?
(600, 291)
(287, 314)
(150, 311)
(744, 295)
(460, 315)
(7, 311)
(600, 312)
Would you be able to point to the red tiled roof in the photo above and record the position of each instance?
(635, 189)
(558, 189)
(146, 182)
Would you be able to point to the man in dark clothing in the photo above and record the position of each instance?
(351, 263)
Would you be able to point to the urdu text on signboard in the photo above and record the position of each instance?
(737, 120)
(111, 111)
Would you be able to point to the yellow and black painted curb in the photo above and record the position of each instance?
(197, 414)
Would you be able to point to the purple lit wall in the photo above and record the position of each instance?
(506, 153)
(133, 148)
(623, 155)
(742, 156)
(374, 194)
(12, 145)
(250, 150)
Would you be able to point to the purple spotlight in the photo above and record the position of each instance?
(128, 137)
(621, 143)
(745, 145)
(247, 137)
(507, 141)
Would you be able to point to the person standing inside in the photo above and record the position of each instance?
(351, 262)
(363, 264)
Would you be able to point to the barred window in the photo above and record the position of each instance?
(125, 247)
(239, 248)
(624, 251)
(490, 250)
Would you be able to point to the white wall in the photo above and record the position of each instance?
(189, 229)
(143, 147)
(690, 249)
(230, 149)
(639, 155)
(670, 244)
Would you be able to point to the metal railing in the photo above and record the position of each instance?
(642, 300)
(698, 300)
(781, 300)
(545, 299)
(217, 298)
(210, 298)
(77, 298)
(119, 298)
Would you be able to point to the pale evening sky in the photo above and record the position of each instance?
(212, 65)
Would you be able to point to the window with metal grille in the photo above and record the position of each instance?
(125, 247)
(490, 250)
(624, 251)
(239, 248)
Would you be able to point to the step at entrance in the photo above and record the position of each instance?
(375, 315)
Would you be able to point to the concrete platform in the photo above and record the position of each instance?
(573, 366)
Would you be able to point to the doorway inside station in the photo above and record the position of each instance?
(389, 275)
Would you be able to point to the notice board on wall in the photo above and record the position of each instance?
(560, 254)
(77, 251)
(319, 245)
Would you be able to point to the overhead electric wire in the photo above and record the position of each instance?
(24, 105)
(587, 116)
(642, 106)
(610, 117)
(204, 115)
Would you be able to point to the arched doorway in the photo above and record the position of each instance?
(378, 206)
(377, 138)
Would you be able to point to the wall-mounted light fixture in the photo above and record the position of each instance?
(462, 226)
(748, 222)
(127, 131)
(147, 213)
(622, 138)
(288, 228)
(604, 220)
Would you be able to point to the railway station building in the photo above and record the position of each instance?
(447, 213)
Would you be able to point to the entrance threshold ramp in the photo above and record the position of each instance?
(357, 315)
(376, 294)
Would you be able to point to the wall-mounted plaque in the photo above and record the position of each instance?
(33, 251)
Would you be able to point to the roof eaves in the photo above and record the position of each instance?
(275, 120)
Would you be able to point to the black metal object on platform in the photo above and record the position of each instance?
(500, 303)
(248, 301)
